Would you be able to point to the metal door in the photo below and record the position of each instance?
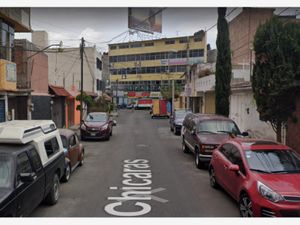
(2, 111)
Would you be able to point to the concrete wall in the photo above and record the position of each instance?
(243, 112)
(65, 69)
(242, 30)
(40, 39)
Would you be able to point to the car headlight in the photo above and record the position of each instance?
(104, 127)
(268, 193)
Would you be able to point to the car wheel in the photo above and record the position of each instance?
(82, 138)
(110, 133)
(198, 162)
(81, 158)
(108, 137)
(245, 206)
(67, 174)
(175, 131)
(53, 195)
(212, 178)
(184, 147)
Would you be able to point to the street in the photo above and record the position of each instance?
(177, 187)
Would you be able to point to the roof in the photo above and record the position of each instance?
(59, 91)
(90, 93)
(66, 132)
(24, 131)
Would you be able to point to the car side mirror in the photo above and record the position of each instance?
(234, 168)
(114, 123)
(27, 177)
(245, 134)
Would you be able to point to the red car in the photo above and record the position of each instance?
(74, 152)
(263, 176)
(97, 125)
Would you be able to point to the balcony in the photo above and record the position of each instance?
(18, 17)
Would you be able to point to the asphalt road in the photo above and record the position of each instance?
(177, 189)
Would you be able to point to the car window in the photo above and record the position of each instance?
(219, 126)
(36, 161)
(101, 117)
(273, 161)
(236, 158)
(72, 140)
(23, 165)
(51, 147)
(64, 141)
(6, 165)
(225, 150)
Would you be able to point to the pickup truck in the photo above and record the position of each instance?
(32, 163)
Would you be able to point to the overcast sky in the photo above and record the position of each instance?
(99, 25)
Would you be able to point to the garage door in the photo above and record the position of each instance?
(2, 111)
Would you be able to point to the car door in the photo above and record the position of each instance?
(235, 179)
(73, 150)
(222, 163)
(27, 198)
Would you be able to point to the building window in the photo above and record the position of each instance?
(183, 40)
(136, 45)
(148, 44)
(197, 39)
(6, 41)
(99, 64)
(112, 47)
(170, 42)
(123, 46)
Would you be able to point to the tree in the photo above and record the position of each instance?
(86, 99)
(166, 91)
(276, 68)
(223, 65)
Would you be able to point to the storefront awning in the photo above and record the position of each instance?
(59, 91)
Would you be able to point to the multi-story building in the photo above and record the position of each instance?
(14, 102)
(146, 66)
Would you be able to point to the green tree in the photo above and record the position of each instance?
(166, 91)
(88, 100)
(223, 65)
(276, 70)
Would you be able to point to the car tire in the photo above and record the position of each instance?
(212, 178)
(184, 147)
(171, 129)
(198, 163)
(81, 158)
(245, 206)
(110, 133)
(82, 138)
(107, 138)
(53, 195)
(67, 174)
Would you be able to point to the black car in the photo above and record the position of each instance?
(24, 180)
(176, 120)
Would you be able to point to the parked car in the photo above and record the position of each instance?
(97, 125)
(262, 176)
(176, 120)
(31, 166)
(202, 133)
(74, 152)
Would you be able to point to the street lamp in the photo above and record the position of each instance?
(59, 45)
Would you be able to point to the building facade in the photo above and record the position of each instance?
(13, 98)
(146, 66)
(242, 110)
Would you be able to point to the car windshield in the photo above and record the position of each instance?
(273, 161)
(64, 141)
(218, 126)
(96, 118)
(181, 114)
(5, 171)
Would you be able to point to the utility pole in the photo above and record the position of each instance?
(81, 80)
(188, 68)
(117, 98)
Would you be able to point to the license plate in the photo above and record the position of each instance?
(93, 134)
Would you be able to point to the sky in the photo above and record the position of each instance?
(99, 25)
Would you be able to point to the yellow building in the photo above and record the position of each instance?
(145, 66)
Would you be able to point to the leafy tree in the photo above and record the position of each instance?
(88, 100)
(223, 65)
(276, 69)
(166, 91)
(102, 105)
